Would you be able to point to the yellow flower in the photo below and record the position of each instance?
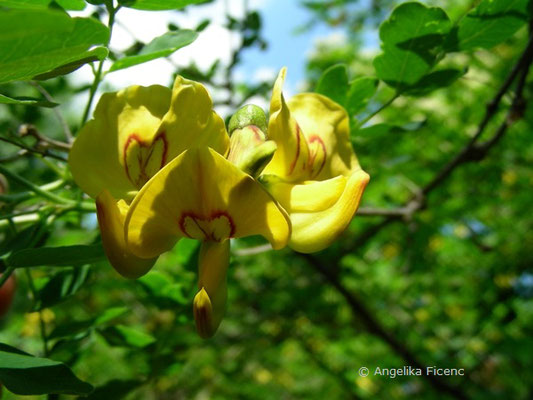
(314, 174)
(155, 160)
(203, 196)
(133, 134)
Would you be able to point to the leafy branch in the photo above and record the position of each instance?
(472, 151)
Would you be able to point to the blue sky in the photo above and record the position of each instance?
(280, 19)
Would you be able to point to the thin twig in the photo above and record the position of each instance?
(34, 188)
(27, 149)
(251, 251)
(59, 116)
(378, 110)
(31, 130)
(5, 275)
(470, 150)
(98, 74)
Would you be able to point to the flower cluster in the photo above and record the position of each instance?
(161, 166)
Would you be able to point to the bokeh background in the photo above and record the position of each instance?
(448, 283)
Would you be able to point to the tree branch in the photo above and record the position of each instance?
(472, 151)
(374, 327)
(26, 149)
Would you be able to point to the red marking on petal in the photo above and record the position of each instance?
(295, 160)
(256, 132)
(312, 158)
(162, 136)
(207, 231)
(142, 159)
(131, 138)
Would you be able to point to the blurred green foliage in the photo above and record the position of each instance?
(448, 283)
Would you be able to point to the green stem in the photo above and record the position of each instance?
(5, 275)
(34, 188)
(6, 221)
(380, 109)
(22, 196)
(59, 172)
(98, 74)
(19, 220)
(17, 214)
(42, 324)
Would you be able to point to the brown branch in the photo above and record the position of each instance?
(26, 149)
(373, 326)
(42, 140)
(472, 151)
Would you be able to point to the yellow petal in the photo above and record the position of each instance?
(210, 302)
(201, 195)
(123, 122)
(326, 127)
(292, 154)
(191, 121)
(314, 231)
(111, 220)
(305, 197)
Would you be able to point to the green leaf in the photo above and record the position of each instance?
(435, 80)
(490, 23)
(36, 42)
(76, 5)
(360, 92)
(23, 374)
(110, 314)
(22, 239)
(334, 83)
(412, 38)
(124, 336)
(114, 390)
(96, 54)
(27, 101)
(56, 256)
(60, 286)
(162, 46)
(156, 5)
(380, 129)
(162, 290)
(77, 328)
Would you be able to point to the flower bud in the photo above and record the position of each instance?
(249, 114)
(249, 148)
(210, 302)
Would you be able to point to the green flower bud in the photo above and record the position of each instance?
(210, 302)
(248, 115)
